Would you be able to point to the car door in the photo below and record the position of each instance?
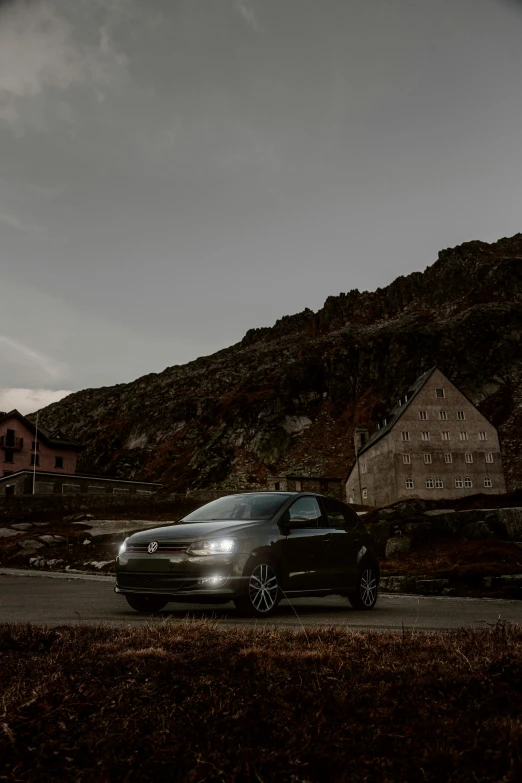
(302, 545)
(340, 558)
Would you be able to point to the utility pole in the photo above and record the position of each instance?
(35, 454)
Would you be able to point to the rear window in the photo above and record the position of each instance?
(242, 507)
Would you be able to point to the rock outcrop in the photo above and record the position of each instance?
(287, 398)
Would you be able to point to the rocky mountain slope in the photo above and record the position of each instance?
(286, 399)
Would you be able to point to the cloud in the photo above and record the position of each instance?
(15, 222)
(15, 352)
(246, 9)
(40, 50)
(29, 400)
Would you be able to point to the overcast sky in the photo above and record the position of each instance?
(174, 172)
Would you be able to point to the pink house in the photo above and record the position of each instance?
(21, 447)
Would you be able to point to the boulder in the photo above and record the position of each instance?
(30, 545)
(398, 584)
(6, 533)
(477, 530)
(22, 526)
(431, 586)
(53, 540)
(417, 528)
(398, 545)
(509, 521)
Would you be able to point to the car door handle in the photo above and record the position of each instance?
(327, 540)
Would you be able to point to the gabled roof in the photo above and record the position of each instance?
(398, 410)
(54, 439)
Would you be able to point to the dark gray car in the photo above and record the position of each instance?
(253, 549)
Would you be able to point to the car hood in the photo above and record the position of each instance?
(192, 531)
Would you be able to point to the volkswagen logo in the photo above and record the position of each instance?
(152, 547)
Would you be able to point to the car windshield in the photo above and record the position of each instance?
(243, 507)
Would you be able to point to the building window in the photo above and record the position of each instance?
(8, 473)
(439, 392)
(463, 435)
(427, 459)
(459, 483)
(469, 458)
(8, 455)
(58, 462)
(468, 482)
(409, 483)
(277, 485)
(443, 415)
(35, 445)
(298, 485)
(35, 459)
(363, 467)
(406, 458)
(429, 483)
(445, 435)
(423, 415)
(487, 482)
(439, 484)
(489, 457)
(365, 493)
(448, 459)
(461, 416)
(425, 435)
(483, 436)
(405, 435)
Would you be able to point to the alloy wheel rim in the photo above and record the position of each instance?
(368, 587)
(263, 588)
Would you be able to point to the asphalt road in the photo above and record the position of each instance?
(60, 599)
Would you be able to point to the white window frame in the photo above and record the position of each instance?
(427, 459)
(468, 456)
(405, 435)
(429, 483)
(406, 458)
(461, 416)
(425, 436)
(445, 435)
(487, 482)
(483, 435)
(409, 484)
(489, 457)
(365, 493)
(439, 484)
(423, 415)
(468, 482)
(463, 435)
(443, 415)
(448, 459)
(363, 467)
(459, 483)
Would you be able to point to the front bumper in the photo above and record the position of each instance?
(181, 575)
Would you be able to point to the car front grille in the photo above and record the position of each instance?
(169, 583)
(163, 546)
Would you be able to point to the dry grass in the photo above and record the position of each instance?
(197, 702)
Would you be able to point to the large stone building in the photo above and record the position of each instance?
(435, 444)
(24, 446)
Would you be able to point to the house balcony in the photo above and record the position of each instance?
(13, 444)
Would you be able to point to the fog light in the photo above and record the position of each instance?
(212, 580)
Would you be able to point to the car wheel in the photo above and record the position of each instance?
(263, 593)
(146, 603)
(365, 596)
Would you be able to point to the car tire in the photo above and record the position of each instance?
(263, 592)
(365, 596)
(146, 603)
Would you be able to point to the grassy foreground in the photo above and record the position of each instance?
(197, 702)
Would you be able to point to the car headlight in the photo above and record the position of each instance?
(123, 547)
(216, 546)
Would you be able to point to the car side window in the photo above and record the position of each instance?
(339, 514)
(307, 511)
